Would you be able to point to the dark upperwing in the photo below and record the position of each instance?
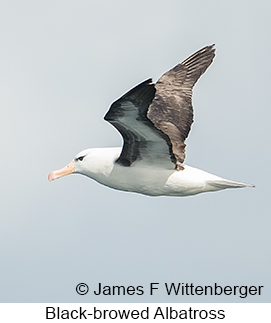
(155, 120)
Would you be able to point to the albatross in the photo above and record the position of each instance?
(154, 121)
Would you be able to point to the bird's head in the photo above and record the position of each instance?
(77, 165)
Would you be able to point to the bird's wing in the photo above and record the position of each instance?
(141, 139)
(154, 120)
(171, 110)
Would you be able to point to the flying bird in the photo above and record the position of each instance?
(154, 121)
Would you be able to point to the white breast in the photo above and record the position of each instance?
(149, 179)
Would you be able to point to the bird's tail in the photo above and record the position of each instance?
(220, 184)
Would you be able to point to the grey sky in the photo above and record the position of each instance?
(62, 64)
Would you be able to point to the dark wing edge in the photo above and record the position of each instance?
(171, 110)
(141, 96)
(129, 116)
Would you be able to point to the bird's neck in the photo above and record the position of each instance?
(101, 162)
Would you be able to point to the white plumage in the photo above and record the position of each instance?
(155, 180)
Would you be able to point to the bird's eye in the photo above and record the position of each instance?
(80, 158)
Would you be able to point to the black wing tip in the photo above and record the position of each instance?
(148, 81)
(143, 92)
(138, 86)
(142, 89)
(211, 46)
(211, 49)
(206, 49)
(203, 56)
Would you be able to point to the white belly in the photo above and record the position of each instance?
(156, 181)
(150, 179)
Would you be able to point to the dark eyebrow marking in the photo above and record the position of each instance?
(80, 158)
